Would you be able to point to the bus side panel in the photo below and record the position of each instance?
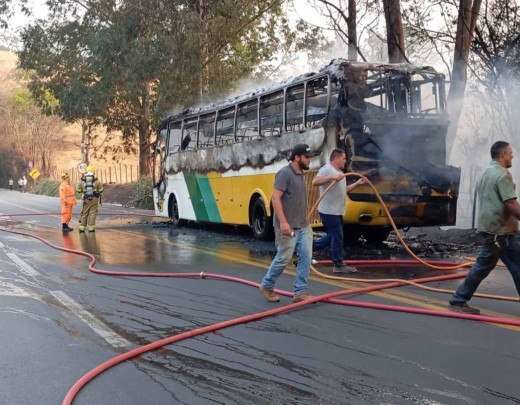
(248, 181)
(202, 197)
(246, 186)
(178, 185)
(223, 189)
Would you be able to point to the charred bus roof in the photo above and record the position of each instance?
(338, 70)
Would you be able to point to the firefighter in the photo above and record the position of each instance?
(68, 201)
(92, 189)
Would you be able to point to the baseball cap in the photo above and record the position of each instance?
(301, 149)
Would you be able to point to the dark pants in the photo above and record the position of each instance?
(334, 237)
(506, 248)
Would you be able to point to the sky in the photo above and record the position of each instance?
(302, 9)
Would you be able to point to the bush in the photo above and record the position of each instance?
(44, 186)
(142, 195)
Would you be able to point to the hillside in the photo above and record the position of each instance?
(68, 155)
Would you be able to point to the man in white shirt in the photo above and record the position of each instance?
(332, 207)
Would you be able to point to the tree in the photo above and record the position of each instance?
(341, 15)
(394, 31)
(466, 23)
(446, 40)
(495, 60)
(138, 59)
(28, 132)
(66, 73)
(350, 28)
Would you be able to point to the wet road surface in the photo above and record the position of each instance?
(59, 321)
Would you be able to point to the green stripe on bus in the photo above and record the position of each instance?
(202, 198)
(196, 197)
(209, 199)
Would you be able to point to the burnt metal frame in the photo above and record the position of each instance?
(258, 101)
(437, 81)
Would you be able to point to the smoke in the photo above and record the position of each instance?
(490, 114)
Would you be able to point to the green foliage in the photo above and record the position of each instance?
(22, 99)
(125, 64)
(46, 186)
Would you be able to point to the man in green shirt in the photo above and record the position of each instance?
(498, 216)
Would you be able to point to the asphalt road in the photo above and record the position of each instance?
(59, 321)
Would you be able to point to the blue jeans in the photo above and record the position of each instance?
(506, 248)
(334, 237)
(285, 247)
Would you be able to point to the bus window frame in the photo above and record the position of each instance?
(304, 121)
(294, 86)
(235, 124)
(284, 118)
(243, 103)
(215, 129)
(170, 125)
(189, 121)
(220, 113)
(305, 96)
(212, 136)
(267, 95)
(259, 117)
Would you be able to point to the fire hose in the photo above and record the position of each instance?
(431, 265)
(329, 297)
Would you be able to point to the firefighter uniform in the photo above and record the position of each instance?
(92, 189)
(67, 201)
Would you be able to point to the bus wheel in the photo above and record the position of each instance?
(173, 210)
(376, 234)
(261, 223)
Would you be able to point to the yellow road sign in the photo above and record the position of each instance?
(34, 173)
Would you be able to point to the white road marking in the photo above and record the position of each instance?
(8, 289)
(23, 266)
(95, 324)
(2, 245)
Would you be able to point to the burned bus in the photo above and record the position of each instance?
(217, 163)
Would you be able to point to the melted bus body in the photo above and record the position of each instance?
(217, 164)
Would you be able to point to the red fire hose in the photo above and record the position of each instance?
(329, 298)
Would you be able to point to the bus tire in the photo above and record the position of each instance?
(376, 234)
(173, 210)
(261, 224)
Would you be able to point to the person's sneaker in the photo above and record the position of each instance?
(465, 308)
(269, 295)
(301, 297)
(81, 228)
(342, 269)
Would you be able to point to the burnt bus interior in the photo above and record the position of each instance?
(307, 104)
(379, 113)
